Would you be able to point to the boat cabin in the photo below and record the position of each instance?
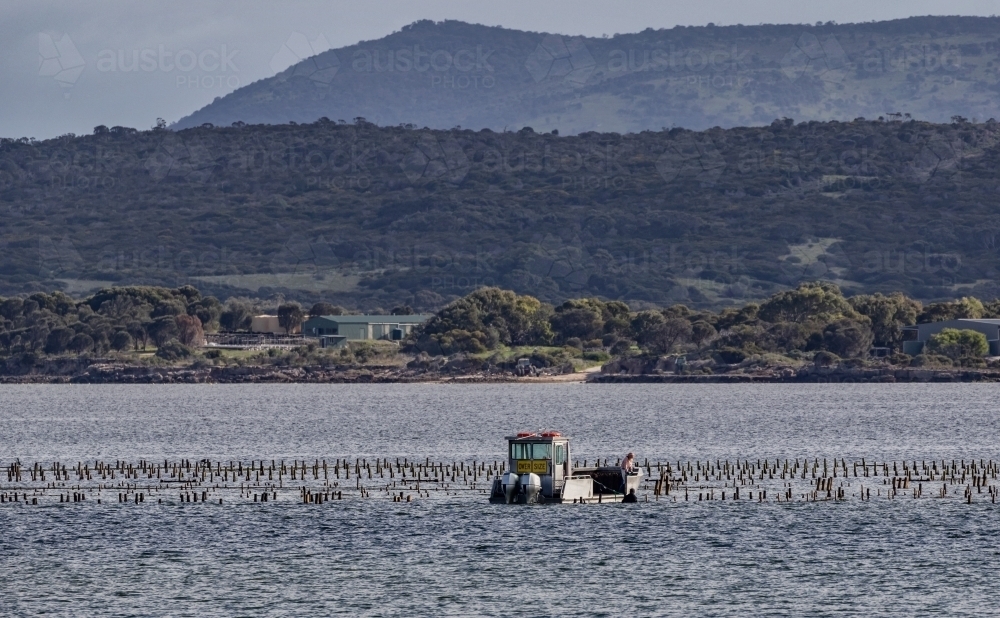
(545, 454)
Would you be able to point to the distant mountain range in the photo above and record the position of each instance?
(448, 74)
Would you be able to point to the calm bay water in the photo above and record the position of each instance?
(458, 555)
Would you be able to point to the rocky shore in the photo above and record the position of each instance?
(107, 373)
(80, 371)
(84, 371)
(834, 375)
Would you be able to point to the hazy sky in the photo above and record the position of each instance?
(56, 58)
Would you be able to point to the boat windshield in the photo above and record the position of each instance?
(541, 451)
(528, 450)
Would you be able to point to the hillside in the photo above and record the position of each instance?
(448, 74)
(371, 216)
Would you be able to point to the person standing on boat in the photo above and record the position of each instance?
(628, 464)
(628, 467)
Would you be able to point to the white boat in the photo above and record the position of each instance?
(540, 470)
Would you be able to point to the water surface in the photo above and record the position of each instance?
(460, 556)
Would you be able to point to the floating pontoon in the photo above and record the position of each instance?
(540, 470)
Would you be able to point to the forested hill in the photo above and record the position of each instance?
(377, 216)
(448, 74)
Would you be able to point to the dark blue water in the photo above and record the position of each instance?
(456, 555)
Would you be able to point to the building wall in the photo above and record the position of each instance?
(268, 324)
(318, 326)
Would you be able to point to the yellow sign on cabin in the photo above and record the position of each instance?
(538, 466)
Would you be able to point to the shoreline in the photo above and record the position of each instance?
(130, 374)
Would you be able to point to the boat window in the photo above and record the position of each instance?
(520, 450)
(560, 454)
(541, 451)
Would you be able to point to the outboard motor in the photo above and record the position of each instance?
(509, 484)
(532, 484)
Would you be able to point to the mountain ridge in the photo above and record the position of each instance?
(447, 74)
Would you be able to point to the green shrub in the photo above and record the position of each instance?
(542, 359)
(930, 360)
(730, 356)
(824, 358)
(173, 350)
(621, 347)
(975, 362)
(597, 356)
(903, 360)
(955, 343)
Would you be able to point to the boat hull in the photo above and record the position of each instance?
(586, 486)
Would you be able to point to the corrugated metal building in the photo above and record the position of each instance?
(363, 327)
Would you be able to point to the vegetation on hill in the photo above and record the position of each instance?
(448, 74)
(372, 217)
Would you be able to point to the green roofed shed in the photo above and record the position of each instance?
(363, 327)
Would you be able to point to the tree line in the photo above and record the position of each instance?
(133, 318)
(815, 318)
(812, 319)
